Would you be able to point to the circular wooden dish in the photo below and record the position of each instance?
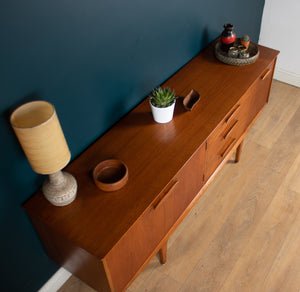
(110, 175)
(223, 57)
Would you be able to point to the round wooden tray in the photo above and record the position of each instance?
(110, 175)
(223, 57)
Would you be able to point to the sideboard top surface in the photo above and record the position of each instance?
(153, 152)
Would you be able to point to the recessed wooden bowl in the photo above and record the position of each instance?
(110, 175)
(191, 99)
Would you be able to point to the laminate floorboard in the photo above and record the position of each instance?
(244, 232)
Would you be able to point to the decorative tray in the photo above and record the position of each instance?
(223, 57)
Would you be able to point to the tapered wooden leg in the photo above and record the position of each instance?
(238, 152)
(163, 253)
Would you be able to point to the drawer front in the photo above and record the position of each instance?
(141, 240)
(224, 138)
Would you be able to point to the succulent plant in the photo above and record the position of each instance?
(162, 97)
(245, 38)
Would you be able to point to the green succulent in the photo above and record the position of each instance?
(162, 97)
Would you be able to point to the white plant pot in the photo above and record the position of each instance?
(162, 114)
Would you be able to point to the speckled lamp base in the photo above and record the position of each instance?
(60, 188)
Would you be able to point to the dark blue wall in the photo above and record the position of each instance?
(94, 60)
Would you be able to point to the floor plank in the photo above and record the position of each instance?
(254, 264)
(285, 273)
(75, 285)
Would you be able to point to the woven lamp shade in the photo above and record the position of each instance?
(40, 135)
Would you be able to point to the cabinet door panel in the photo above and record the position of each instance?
(190, 182)
(141, 240)
(259, 93)
(135, 247)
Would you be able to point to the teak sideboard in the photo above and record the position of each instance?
(107, 238)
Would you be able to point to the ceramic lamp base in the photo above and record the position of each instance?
(60, 188)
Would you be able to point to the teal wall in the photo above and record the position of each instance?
(94, 60)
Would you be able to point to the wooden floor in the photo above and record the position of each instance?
(244, 232)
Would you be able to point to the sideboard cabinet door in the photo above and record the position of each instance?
(136, 248)
(259, 93)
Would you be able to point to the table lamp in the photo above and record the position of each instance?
(40, 135)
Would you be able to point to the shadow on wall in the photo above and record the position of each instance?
(205, 38)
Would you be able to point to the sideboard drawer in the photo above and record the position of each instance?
(141, 240)
(224, 137)
(232, 116)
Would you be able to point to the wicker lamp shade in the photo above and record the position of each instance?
(41, 137)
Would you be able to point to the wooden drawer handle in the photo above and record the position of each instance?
(230, 129)
(264, 76)
(232, 113)
(228, 148)
(156, 204)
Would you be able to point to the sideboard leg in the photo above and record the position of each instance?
(238, 152)
(163, 253)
